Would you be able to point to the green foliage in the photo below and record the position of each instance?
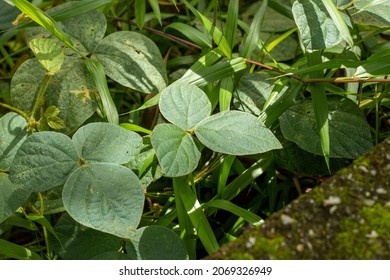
(255, 102)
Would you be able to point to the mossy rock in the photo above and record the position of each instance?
(347, 217)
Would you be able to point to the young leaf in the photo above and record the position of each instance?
(48, 53)
(43, 161)
(176, 151)
(236, 133)
(184, 105)
(105, 142)
(104, 196)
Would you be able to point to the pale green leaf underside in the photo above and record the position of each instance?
(105, 142)
(106, 197)
(348, 130)
(11, 197)
(184, 105)
(317, 29)
(12, 134)
(176, 151)
(133, 60)
(236, 133)
(43, 161)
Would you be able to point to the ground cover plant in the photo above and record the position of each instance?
(161, 129)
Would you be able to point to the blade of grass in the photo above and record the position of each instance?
(136, 128)
(278, 40)
(338, 20)
(226, 93)
(18, 252)
(231, 23)
(156, 9)
(95, 68)
(193, 34)
(216, 34)
(224, 174)
(234, 209)
(140, 9)
(197, 216)
(43, 20)
(251, 40)
(320, 104)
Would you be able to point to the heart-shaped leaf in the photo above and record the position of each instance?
(158, 243)
(106, 197)
(176, 150)
(184, 105)
(349, 132)
(105, 142)
(43, 161)
(133, 60)
(236, 133)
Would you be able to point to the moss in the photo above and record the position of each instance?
(364, 238)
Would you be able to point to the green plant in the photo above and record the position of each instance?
(87, 158)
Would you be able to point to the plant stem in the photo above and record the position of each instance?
(20, 112)
(38, 102)
(45, 233)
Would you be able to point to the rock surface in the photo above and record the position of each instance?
(347, 217)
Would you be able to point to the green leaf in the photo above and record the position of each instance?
(184, 105)
(43, 20)
(298, 124)
(18, 252)
(235, 133)
(96, 70)
(105, 142)
(176, 150)
(217, 35)
(133, 60)
(375, 65)
(379, 9)
(231, 207)
(43, 161)
(12, 134)
(316, 28)
(158, 243)
(11, 197)
(48, 53)
(250, 42)
(106, 197)
(231, 23)
(156, 9)
(140, 8)
(84, 31)
(338, 21)
(71, 90)
(193, 34)
(78, 242)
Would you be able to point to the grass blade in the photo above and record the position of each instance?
(43, 20)
(193, 34)
(234, 209)
(140, 9)
(320, 104)
(226, 93)
(217, 35)
(95, 68)
(250, 42)
(196, 215)
(224, 174)
(18, 252)
(156, 9)
(231, 23)
(338, 21)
